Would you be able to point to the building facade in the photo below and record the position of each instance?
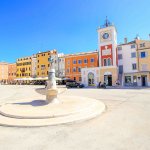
(24, 67)
(90, 76)
(143, 52)
(43, 63)
(127, 63)
(75, 62)
(134, 63)
(11, 73)
(34, 66)
(61, 65)
(107, 58)
(3, 72)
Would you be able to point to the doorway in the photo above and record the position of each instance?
(144, 80)
(90, 79)
(108, 80)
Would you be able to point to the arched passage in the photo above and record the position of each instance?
(91, 79)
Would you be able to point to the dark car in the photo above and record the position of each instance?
(39, 82)
(74, 84)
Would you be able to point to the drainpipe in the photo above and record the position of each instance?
(138, 57)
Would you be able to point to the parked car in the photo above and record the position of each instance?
(39, 82)
(74, 84)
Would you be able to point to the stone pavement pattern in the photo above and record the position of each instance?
(124, 126)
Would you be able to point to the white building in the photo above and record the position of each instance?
(90, 75)
(127, 63)
(34, 65)
(134, 63)
(61, 65)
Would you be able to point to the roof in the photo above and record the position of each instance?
(128, 43)
(47, 51)
(82, 53)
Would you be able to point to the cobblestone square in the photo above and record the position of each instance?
(124, 124)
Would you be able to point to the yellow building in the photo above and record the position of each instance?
(143, 59)
(43, 62)
(23, 66)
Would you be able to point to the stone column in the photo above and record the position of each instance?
(52, 91)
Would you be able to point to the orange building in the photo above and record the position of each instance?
(11, 72)
(75, 62)
(3, 72)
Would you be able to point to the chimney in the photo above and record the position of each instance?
(125, 40)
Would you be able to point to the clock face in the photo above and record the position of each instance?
(105, 36)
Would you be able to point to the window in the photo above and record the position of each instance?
(38, 61)
(119, 56)
(143, 54)
(127, 79)
(80, 79)
(133, 46)
(133, 55)
(142, 45)
(105, 62)
(119, 48)
(79, 61)
(109, 61)
(133, 66)
(92, 60)
(42, 67)
(74, 61)
(74, 69)
(67, 70)
(120, 69)
(79, 69)
(85, 61)
(48, 59)
(75, 78)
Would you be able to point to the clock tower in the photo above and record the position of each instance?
(107, 46)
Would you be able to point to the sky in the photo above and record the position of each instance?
(70, 26)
